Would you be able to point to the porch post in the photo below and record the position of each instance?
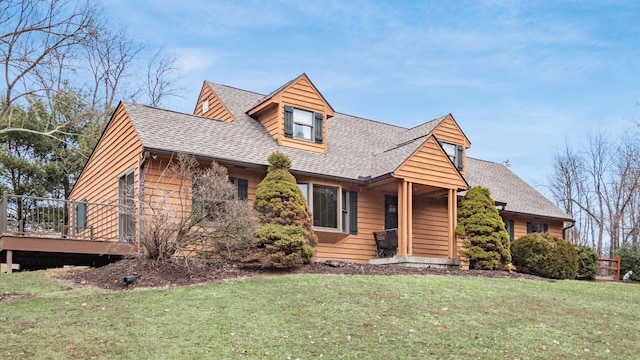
(409, 195)
(3, 214)
(9, 261)
(402, 219)
(453, 214)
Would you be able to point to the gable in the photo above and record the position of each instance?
(215, 109)
(449, 131)
(430, 165)
(296, 95)
(116, 153)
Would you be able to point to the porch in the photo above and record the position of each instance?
(419, 223)
(39, 233)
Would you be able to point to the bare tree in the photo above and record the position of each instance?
(198, 216)
(160, 82)
(35, 37)
(599, 187)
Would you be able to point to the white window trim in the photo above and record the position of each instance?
(312, 126)
(205, 105)
(339, 211)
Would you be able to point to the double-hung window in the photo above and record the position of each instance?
(454, 152)
(303, 124)
(333, 208)
(208, 210)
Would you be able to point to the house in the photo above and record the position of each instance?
(358, 175)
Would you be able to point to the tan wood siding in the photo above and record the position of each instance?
(431, 166)
(216, 110)
(272, 120)
(449, 131)
(117, 153)
(303, 95)
(520, 224)
(430, 227)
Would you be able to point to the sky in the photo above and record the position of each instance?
(521, 78)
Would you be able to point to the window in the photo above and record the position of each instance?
(333, 207)
(126, 200)
(81, 215)
(303, 124)
(509, 226)
(209, 210)
(537, 228)
(205, 105)
(454, 152)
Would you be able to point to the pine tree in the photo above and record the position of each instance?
(482, 228)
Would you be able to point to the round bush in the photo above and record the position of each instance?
(545, 255)
(283, 246)
(587, 262)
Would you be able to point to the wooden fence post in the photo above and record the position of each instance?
(617, 268)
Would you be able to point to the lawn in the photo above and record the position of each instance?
(329, 316)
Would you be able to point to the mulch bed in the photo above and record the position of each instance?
(150, 274)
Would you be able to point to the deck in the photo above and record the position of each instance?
(39, 233)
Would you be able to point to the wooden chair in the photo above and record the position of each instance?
(386, 242)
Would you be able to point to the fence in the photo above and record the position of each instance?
(616, 267)
(22, 215)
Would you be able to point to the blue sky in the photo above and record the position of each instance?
(520, 77)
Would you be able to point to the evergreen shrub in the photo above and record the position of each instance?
(545, 255)
(629, 260)
(587, 262)
(481, 227)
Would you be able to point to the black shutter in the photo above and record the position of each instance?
(545, 228)
(318, 126)
(81, 216)
(243, 189)
(288, 121)
(353, 212)
(510, 229)
(459, 157)
(529, 228)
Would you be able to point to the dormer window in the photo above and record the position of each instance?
(303, 124)
(455, 153)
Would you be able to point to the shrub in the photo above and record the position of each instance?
(629, 260)
(486, 240)
(279, 199)
(587, 262)
(283, 246)
(545, 255)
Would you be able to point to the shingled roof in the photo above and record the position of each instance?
(358, 149)
(507, 187)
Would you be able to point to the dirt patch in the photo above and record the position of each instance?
(150, 274)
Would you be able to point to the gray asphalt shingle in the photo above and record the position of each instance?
(357, 148)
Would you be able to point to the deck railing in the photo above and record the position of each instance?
(31, 216)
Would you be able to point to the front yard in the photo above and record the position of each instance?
(331, 316)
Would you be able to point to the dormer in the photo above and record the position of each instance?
(209, 105)
(453, 141)
(295, 115)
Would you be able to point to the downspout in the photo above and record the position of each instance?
(564, 233)
(145, 157)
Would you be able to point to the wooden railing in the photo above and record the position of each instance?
(616, 267)
(31, 216)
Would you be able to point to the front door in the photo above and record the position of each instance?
(390, 212)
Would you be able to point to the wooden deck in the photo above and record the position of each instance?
(39, 233)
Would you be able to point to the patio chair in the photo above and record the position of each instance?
(386, 242)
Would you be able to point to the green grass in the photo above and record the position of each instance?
(313, 316)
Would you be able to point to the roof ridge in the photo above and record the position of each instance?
(428, 121)
(371, 120)
(235, 88)
(172, 111)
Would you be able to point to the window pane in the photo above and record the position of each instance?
(305, 190)
(302, 131)
(302, 117)
(325, 206)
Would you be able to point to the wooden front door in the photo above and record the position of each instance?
(390, 212)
